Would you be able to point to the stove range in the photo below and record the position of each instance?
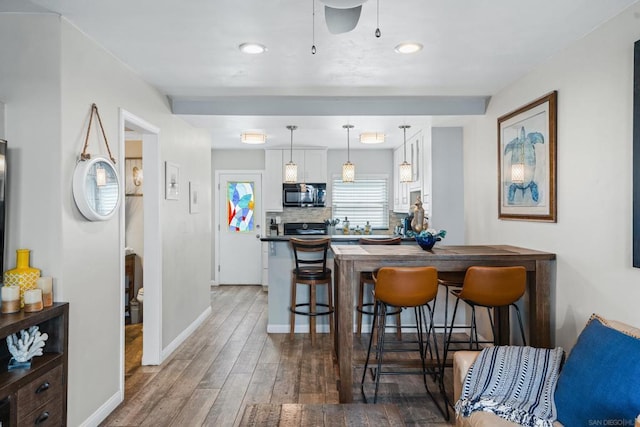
(304, 228)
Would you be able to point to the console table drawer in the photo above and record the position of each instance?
(49, 414)
(39, 391)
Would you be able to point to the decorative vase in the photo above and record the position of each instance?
(418, 221)
(24, 276)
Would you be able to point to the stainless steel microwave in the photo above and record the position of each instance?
(304, 195)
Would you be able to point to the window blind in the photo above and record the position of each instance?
(366, 199)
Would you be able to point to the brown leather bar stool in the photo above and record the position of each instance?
(410, 287)
(366, 278)
(311, 270)
(490, 287)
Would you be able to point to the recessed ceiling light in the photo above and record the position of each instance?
(252, 48)
(372, 138)
(408, 47)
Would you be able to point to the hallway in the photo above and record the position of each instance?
(231, 362)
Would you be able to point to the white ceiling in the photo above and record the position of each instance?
(188, 49)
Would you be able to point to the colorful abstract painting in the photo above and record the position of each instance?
(240, 203)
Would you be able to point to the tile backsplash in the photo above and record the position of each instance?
(321, 214)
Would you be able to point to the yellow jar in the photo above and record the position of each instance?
(24, 276)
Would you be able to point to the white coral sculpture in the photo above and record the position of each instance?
(28, 345)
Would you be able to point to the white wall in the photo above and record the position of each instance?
(447, 183)
(55, 74)
(592, 238)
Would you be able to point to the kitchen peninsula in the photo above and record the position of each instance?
(278, 257)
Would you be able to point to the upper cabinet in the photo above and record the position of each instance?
(273, 177)
(400, 189)
(312, 167)
(312, 164)
(418, 154)
(315, 166)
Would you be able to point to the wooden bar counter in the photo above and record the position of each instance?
(350, 260)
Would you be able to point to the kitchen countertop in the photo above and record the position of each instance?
(334, 237)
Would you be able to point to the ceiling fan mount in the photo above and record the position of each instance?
(342, 16)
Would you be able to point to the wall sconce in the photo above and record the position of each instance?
(137, 176)
(253, 138)
(371, 138)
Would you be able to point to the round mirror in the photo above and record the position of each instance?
(96, 188)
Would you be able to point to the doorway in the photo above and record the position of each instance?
(238, 255)
(150, 239)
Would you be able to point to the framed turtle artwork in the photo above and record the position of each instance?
(527, 161)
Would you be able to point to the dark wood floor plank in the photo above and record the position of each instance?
(261, 385)
(290, 415)
(312, 415)
(334, 415)
(144, 402)
(196, 409)
(227, 406)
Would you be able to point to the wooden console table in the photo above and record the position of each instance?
(350, 260)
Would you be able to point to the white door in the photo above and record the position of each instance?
(240, 229)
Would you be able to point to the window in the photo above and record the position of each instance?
(366, 199)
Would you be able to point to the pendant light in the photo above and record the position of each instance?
(405, 167)
(348, 169)
(313, 26)
(291, 169)
(378, 33)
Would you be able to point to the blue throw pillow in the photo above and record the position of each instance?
(599, 383)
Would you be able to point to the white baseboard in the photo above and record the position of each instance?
(300, 329)
(166, 352)
(366, 328)
(103, 412)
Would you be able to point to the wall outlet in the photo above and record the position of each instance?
(278, 220)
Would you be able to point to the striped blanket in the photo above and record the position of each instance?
(515, 383)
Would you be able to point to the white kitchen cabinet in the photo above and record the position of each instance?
(415, 155)
(272, 195)
(315, 165)
(312, 164)
(312, 167)
(400, 189)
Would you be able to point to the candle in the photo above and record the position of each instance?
(32, 300)
(10, 299)
(46, 284)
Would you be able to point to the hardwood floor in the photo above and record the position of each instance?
(230, 363)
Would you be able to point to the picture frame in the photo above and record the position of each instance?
(636, 154)
(527, 161)
(133, 177)
(171, 181)
(194, 202)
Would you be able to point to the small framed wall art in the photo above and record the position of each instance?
(171, 181)
(527, 161)
(133, 176)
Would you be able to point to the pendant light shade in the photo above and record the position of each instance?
(291, 169)
(405, 167)
(348, 168)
